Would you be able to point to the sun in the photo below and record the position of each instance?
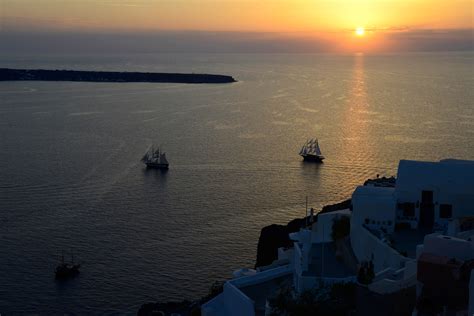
(360, 31)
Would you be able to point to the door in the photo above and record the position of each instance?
(427, 210)
(427, 197)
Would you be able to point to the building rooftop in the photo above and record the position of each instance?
(251, 291)
(451, 175)
(441, 260)
(339, 212)
(371, 190)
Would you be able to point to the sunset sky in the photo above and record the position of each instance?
(388, 24)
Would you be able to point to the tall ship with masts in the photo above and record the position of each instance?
(311, 151)
(155, 158)
(66, 270)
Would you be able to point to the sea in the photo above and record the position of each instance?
(71, 180)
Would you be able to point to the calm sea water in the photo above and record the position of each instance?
(71, 177)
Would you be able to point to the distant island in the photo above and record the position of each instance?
(7, 74)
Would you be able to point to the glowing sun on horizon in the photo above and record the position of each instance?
(360, 31)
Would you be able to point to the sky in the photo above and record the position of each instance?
(238, 25)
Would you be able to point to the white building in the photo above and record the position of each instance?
(386, 225)
(448, 246)
(315, 258)
(432, 193)
(373, 220)
(426, 198)
(374, 207)
(247, 296)
(310, 261)
(321, 230)
(445, 272)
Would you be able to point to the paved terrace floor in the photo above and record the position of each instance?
(332, 268)
(407, 240)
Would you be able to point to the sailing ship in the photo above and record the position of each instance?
(65, 270)
(155, 158)
(311, 151)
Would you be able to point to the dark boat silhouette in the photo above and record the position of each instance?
(155, 158)
(311, 151)
(67, 270)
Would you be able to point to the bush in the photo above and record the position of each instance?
(366, 272)
(282, 302)
(402, 226)
(336, 299)
(216, 288)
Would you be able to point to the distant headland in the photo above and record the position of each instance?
(7, 74)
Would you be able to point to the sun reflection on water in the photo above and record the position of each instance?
(355, 148)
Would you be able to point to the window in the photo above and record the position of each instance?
(409, 209)
(445, 210)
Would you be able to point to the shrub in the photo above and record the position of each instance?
(216, 288)
(336, 299)
(366, 272)
(402, 226)
(282, 302)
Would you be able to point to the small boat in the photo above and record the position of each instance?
(66, 270)
(311, 151)
(155, 158)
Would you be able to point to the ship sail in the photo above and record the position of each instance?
(155, 158)
(146, 156)
(163, 159)
(311, 151)
(317, 149)
(303, 149)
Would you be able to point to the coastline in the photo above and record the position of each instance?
(8, 74)
(271, 238)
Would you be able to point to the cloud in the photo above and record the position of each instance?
(127, 3)
(157, 42)
(432, 40)
(395, 39)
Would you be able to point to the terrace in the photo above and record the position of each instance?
(404, 239)
(324, 263)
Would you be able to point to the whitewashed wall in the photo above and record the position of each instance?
(449, 246)
(237, 303)
(450, 182)
(375, 204)
(366, 247)
(322, 229)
